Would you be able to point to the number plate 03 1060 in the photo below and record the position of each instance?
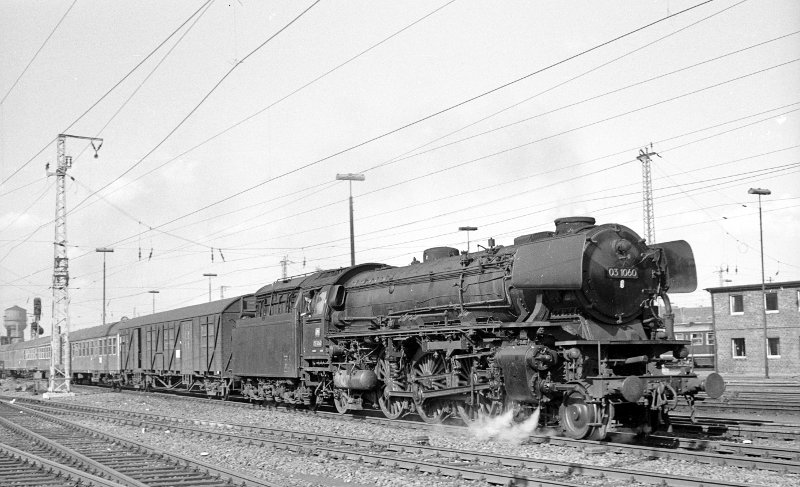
(623, 273)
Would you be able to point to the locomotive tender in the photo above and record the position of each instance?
(564, 321)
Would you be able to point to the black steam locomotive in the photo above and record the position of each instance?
(564, 321)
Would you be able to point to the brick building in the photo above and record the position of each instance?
(697, 326)
(739, 328)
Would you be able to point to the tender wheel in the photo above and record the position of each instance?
(580, 419)
(429, 374)
(393, 408)
(340, 401)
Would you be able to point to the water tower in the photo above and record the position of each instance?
(15, 320)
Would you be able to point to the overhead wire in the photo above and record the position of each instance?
(36, 54)
(434, 114)
(198, 105)
(535, 141)
(108, 92)
(185, 117)
(675, 138)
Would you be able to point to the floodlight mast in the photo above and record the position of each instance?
(350, 177)
(60, 352)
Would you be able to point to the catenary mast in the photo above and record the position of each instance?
(648, 214)
(60, 367)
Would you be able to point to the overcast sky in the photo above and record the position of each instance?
(224, 125)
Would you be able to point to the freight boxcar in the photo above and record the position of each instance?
(187, 348)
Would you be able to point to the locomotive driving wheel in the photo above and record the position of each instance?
(482, 408)
(392, 407)
(429, 374)
(479, 406)
(580, 418)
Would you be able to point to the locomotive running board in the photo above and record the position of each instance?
(552, 263)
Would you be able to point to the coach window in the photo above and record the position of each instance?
(697, 338)
(774, 347)
(737, 348)
(737, 304)
(710, 338)
(771, 302)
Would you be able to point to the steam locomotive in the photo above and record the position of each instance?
(564, 322)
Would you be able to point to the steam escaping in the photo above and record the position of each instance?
(503, 428)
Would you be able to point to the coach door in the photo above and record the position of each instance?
(208, 340)
(130, 349)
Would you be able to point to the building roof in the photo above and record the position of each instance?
(754, 287)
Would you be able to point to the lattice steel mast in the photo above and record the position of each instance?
(60, 353)
(648, 214)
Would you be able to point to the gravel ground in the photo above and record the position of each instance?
(293, 469)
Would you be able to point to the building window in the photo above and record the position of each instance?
(771, 302)
(710, 338)
(737, 304)
(737, 348)
(697, 338)
(774, 345)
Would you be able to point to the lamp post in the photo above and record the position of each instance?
(153, 292)
(467, 229)
(763, 192)
(104, 251)
(350, 177)
(209, 275)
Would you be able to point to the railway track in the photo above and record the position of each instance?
(121, 461)
(774, 395)
(745, 429)
(19, 468)
(423, 457)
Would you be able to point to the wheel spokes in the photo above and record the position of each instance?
(392, 407)
(429, 373)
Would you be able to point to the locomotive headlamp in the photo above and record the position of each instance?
(680, 353)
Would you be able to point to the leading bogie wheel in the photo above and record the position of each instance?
(579, 418)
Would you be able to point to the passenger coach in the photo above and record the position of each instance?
(95, 356)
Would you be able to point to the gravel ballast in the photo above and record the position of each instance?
(297, 469)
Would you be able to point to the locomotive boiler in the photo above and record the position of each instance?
(572, 322)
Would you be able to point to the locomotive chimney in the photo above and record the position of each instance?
(573, 224)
